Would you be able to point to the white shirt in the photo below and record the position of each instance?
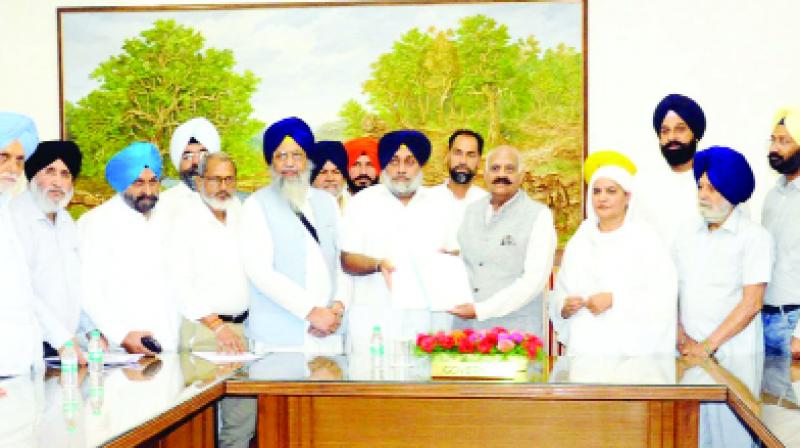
(537, 267)
(713, 268)
(205, 266)
(378, 225)
(51, 252)
(454, 207)
(20, 334)
(257, 253)
(124, 273)
(173, 201)
(781, 217)
(668, 200)
(634, 266)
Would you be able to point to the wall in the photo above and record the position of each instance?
(737, 58)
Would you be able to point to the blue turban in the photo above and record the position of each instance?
(417, 143)
(329, 151)
(127, 165)
(686, 108)
(18, 127)
(728, 171)
(292, 127)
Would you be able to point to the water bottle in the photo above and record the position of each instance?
(376, 347)
(95, 352)
(69, 365)
(96, 391)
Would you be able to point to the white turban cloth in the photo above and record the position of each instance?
(198, 128)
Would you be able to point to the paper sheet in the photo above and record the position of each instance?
(222, 358)
(445, 280)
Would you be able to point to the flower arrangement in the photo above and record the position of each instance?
(495, 341)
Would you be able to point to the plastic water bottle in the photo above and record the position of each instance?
(69, 366)
(95, 352)
(376, 347)
(96, 391)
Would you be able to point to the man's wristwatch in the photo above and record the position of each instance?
(707, 348)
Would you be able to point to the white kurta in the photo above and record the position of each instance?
(205, 266)
(667, 201)
(378, 225)
(713, 268)
(51, 252)
(124, 273)
(173, 201)
(454, 208)
(20, 334)
(256, 246)
(634, 266)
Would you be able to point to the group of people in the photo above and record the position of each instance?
(345, 236)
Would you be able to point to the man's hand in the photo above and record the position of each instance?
(385, 267)
(795, 347)
(599, 303)
(228, 341)
(78, 351)
(133, 343)
(571, 306)
(2, 392)
(103, 340)
(323, 319)
(693, 348)
(453, 252)
(464, 311)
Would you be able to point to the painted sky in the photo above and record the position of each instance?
(310, 60)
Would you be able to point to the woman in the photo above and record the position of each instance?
(616, 292)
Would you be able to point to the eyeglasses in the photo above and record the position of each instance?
(191, 155)
(5, 157)
(296, 156)
(217, 181)
(784, 141)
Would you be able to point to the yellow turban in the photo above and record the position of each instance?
(791, 119)
(599, 159)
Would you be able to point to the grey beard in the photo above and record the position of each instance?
(402, 189)
(293, 189)
(45, 204)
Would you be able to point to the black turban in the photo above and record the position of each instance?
(329, 151)
(49, 151)
(416, 141)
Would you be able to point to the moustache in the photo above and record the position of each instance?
(223, 195)
(502, 180)
(363, 177)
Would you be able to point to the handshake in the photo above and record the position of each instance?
(325, 320)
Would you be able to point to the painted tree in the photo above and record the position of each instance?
(162, 78)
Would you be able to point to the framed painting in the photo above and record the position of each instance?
(512, 71)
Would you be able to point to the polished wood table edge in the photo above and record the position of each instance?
(171, 416)
(752, 420)
(478, 390)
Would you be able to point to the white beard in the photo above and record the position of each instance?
(45, 204)
(715, 215)
(216, 204)
(7, 184)
(294, 189)
(402, 189)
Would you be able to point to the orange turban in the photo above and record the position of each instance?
(357, 147)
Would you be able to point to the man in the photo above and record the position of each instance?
(205, 266)
(507, 242)
(465, 148)
(679, 123)
(290, 250)
(387, 232)
(724, 261)
(20, 337)
(123, 270)
(50, 241)
(190, 142)
(330, 170)
(781, 216)
(363, 167)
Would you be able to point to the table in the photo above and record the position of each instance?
(307, 400)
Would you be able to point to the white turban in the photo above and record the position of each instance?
(198, 128)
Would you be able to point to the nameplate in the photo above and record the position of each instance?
(479, 367)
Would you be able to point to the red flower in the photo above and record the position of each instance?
(496, 330)
(468, 331)
(465, 346)
(491, 337)
(420, 337)
(485, 346)
(447, 342)
(428, 343)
